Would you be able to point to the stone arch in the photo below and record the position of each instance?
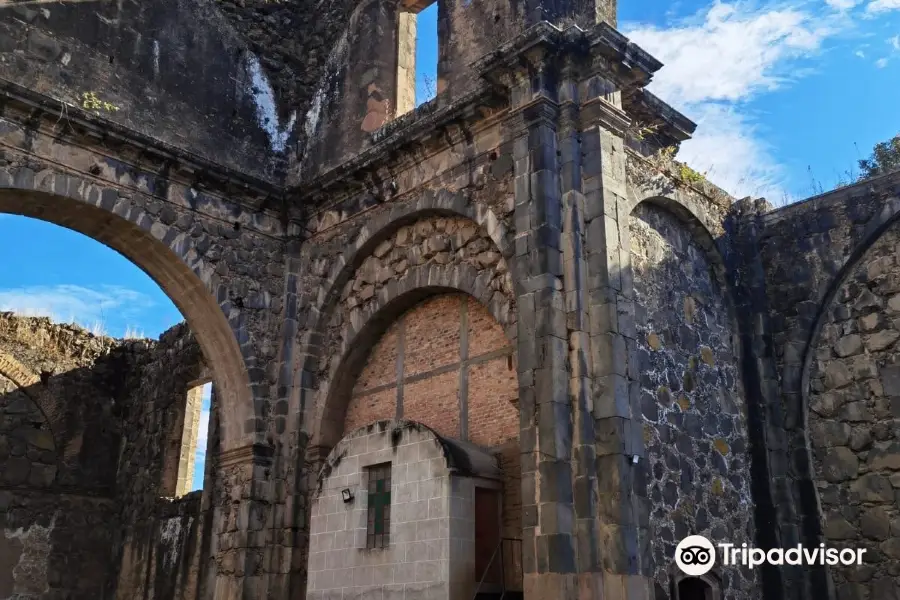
(875, 228)
(25, 423)
(167, 255)
(386, 223)
(698, 221)
(348, 258)
(849, 397)
(374, 319)
(692, 401)
(27, 382)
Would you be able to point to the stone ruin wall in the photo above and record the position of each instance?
(162, 536)
(62, 394)
(691, 396)
(86, 439)
(853, 421)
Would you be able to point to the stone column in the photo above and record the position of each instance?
(575, 285)
(549, 562)
(242, 519)
(623, 507)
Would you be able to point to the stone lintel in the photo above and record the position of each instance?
(599, 111)
(255, 454)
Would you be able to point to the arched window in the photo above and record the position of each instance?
(694, 588)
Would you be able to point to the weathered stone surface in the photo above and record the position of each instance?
(690, 355)
(848, 345)
(858, 385)
(839, 464)
(875, 523)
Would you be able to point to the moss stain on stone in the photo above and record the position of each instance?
(684, 403)
(664, 396)
(722, 446)
(717, 487)
(706, 355)
(653, 341)
(690, 309)
(687, 381)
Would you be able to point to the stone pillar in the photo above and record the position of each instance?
(775, 506)
(575, 286)
(549, 562)
(242, 521)
(623, 507)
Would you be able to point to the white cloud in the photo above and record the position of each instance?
(895, 42)
(733, 53)
(880, 6)
(843, 4)
(727, 149)
(74, 303)
(860, 54)
(718, 60)
(881, 63)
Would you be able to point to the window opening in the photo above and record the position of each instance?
(378, 525)
(192, 459)
(417, 54)
(694, 588)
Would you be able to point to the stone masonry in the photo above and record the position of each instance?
(518, 264)
(692, 398)
(854, 404)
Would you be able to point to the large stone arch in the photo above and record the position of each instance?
(337, 262)
(693, 407)
(704, 227)
(849, 403)
(166, 254)
(360, 334)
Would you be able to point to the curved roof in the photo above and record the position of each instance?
(463, 458)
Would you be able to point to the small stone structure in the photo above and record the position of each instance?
(432, 549)
(518, 264)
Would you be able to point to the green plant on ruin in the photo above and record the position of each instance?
(90, 101)
(641, 131)
(665, 158)
(689, 175)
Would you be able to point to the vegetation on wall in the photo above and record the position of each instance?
(885, 158)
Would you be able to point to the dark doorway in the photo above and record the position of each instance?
(692, 588)
(487, 537)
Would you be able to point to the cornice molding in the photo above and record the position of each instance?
(253, 454)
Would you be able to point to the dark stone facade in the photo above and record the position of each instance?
(85, 442)
(853, 409)
(672, 345)
(692, 397)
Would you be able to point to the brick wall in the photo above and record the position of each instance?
(457, 376)
(444, 347)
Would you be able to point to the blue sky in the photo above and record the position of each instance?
(787, 96)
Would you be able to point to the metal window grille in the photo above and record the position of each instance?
(378, 525)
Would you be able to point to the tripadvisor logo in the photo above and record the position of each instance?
(695, 555)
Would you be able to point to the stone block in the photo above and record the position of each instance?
(840, 464)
